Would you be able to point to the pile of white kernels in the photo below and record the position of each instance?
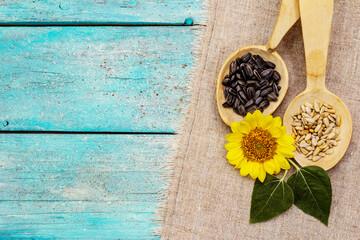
(316, 129)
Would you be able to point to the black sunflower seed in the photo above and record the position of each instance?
(275, 89)
(232, 91)
(270, 65)
(257, 94)
(241, 110)
(248, 70)
(267, 73)
(249, 103)
(250, 92)
(226, 105)
(236, 103)
(272, 96)
(233, 66)
(243, 75)
(276, 76)
(243, 96)
(264, 103)
(266, 91)
(241, 83)
(229, 99)
(257, 74)
(260, 62)
(241, 100)
(226, 92)
(251, 83)
(226, 82)
(238, 61)
(264, 83)
(258, 100)
(251, 109)
(245, 58)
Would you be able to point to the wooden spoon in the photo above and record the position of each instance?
(288, 15)
(316, 17)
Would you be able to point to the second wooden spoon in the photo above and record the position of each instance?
(316, 18)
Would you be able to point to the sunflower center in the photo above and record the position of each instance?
(258, 145)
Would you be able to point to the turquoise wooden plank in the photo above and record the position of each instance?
(112, 79)
(84, 186)
(103, 11)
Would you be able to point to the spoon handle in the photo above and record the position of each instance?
(288, 15)
(316, 18)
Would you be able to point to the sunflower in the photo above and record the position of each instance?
(259, 145)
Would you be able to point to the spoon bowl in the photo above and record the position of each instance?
(227, 114)
(321, 95)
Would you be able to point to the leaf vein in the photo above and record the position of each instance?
(311, 192)
(268, 199)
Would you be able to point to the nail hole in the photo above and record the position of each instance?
(64, 5)
(189, 22)
(6, 123)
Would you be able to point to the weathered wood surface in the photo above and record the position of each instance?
(80, 186)
(100, 11)
(90, 79)
(104, 79)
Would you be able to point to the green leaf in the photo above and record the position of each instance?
(312, 191)
(270, 199)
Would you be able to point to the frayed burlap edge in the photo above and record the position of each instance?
(175, 156)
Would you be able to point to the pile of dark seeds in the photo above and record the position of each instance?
(251, 84)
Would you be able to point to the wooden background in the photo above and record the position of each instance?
(91, 94)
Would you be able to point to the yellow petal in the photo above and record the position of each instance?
(235, 127)
(233, 137)
(250, 119)
(234, 154)
(241, 163)
(258, 117)
(232, 145)
(234, 161)
(286, 151)
(244, 171)
(275, 132)
(277, 168)
(277, 122)
(285, 140)
(283, 129)
(262, 173)
(269, 166)
(244, 127)
(267, 122)
(254, 170)
(282, 162)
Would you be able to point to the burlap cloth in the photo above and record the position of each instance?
(208, 198)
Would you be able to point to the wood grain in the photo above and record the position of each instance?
(80, 186)
(100, 11)
(112, 79)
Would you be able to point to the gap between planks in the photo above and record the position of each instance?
(87, 133)
(189, 22)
